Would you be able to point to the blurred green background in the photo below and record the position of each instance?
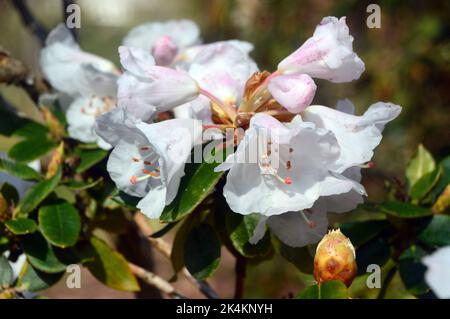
(407, 63)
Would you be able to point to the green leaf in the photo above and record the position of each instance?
(419, 165)
(425, 184)
(404, 210)
(375, 251)
(31, 149)
(19, 170)
(202, 251)
(437, 232)
(89, 158)
(37, 193)
(445, 179)
(110, 267)
(65, 193)
(6, 273)
(177, 253)
(361, 232)
(31, 279)
(195, 186)
(60, 224)
(240, 229)
(13, 124)
(10, 193)
(41, 254)
(300, 257)
(21, 226)
(334, 289)
(82, 185)
(412, 271)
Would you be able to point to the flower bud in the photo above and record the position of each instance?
(55, 161)
(335, 259)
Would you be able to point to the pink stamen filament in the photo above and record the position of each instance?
(228, 109)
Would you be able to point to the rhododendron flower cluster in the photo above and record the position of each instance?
(308, 161)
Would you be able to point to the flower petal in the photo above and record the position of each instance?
(357, 135)
(438, 273)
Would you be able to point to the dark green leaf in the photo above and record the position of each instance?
(31, 149)
(82, 185)
(412, 270)
(202, 251)
(361, 232)
(10, 193)
(37, 194)
(419, 165)
(334, 289)
(41, 254)
(89, 158)
(195, 186)
(21, 226)
(13, 124)
(65, 193)
(300, 257)
(240, 229)
(110, 267)
(19, 170)
(179, 242)
(404, 210)
(31, 279)
(437, 232)
(445, 179)
(375, 251)
(60, 224)
(425, 184)
(6, 273)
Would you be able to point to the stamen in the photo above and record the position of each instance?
(311, 224)
(147, 163)
(369, 164)
(288, 180)
(135, 159)
(145, 148)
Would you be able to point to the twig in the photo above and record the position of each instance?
(390, 275)
(155, 281)
(30, 21)
(65, 4)
(240, 270)
(14, 72)
(164, 248)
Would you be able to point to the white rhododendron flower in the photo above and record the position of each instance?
(328, 54)
(438, 274)
(164, 40)
(305, 155)
(148, 161)
(73, 71)
(89, 80)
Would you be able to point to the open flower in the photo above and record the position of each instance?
(73, 71)
(328, 54)
(438, 273)
(148, 161)
(301, 174)
(88, 81)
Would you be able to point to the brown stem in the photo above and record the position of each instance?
(240, 270)
(155, 281)
(30, 21)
